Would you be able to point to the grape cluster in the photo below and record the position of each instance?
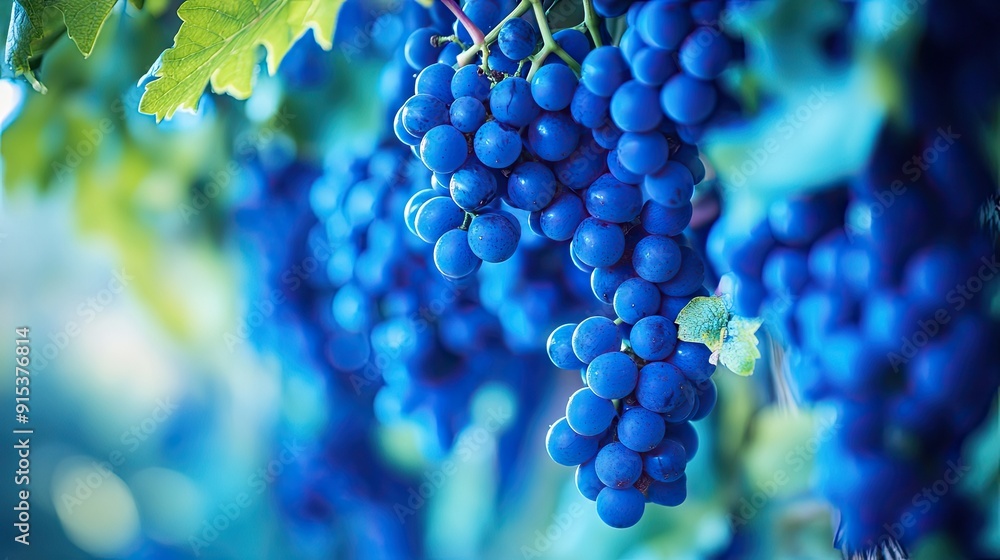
(629, 429)
(593, 146)
(868, 291)
(552, 145)
(338, 494)
(876, 290)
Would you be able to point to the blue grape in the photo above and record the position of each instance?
(692, 358)
(786, 271)
(687, 100)
(402, 134)
(620, 508)
(612, 201)
(663, 24)
(687, 155)
(611, 8)
(599, 243)
(560, 219)
(418, 51)
(500, 63)
(452, 255)
(587, 482)
(605, 280)
(567, 447)
(656, 258)
(612, 375)
(553, 136)
(511, 102)
(708, 395)
(443, 149)
(668, 493)
(560, 348)
(618, 466)
(619, 172)
(705, 53)
(630, 43)
(435, 80)
(575, 43)
(423, 112)
(494, 237)
(583, 166)
(689, 278)
(663, 388)
(653, 338)
(653, 66)
(413, 205)
(671, 185)
(436, 216)
(531, 186)
(666, 462)
(664, 220)
(449, 54)
(517, 39)
(497, 145)
(472, 186)
(589, 414)
(468, 82)
(580, 265)
(630, 107)
(589, 109)
(607, 135)
(640, 430)
(595, 336)
(603, 70)
(643, 152)
(685, 434)
(467, 114)
(553, 87)
(635, 299)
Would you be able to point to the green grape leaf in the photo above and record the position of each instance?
(218, 41)
(739, 350)
(34, 27)
(703, 320)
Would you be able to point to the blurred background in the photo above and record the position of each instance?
(189, 399)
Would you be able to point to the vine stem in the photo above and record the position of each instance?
(549, 44)
(470, 26)
(469, 54)
(591, 20)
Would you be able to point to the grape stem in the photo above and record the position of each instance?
(592, 22)
(468, 24)
(549, 45)
(480, 43)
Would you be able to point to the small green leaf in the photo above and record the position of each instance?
(33, 29)
(217, 43)
(739, 350)
(703, 320)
